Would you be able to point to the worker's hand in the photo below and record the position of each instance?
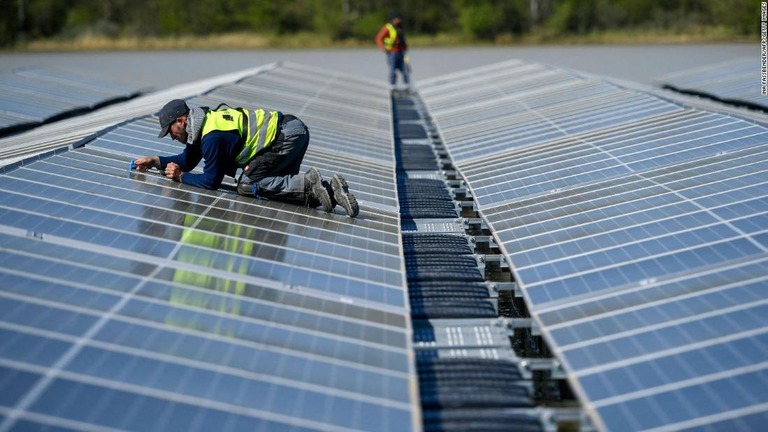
(145, 163)
(172, 171)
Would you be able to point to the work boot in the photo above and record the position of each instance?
(315, 191)
(342, 197)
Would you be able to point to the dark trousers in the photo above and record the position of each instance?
(274, 172)
(396, 61)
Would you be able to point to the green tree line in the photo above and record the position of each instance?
(25, 20)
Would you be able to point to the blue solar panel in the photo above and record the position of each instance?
(133, 302)
(734, 82)
(33, 96)
(635, 228)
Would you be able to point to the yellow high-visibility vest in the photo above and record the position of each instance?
(389, 41)
(257, 128)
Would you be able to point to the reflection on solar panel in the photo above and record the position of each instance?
(132, 302)
(637, 231)
(33, 96)
(735, 82)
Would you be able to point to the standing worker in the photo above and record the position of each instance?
(268, 145)
(391, 39)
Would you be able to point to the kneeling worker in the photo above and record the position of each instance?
(268, 145)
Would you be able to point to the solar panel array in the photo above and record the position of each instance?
(735, 82)
(636, 229)
(133, 302)
(33, 96)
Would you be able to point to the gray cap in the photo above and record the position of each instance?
(169, 113)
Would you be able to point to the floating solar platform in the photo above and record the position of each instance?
(469, 375)
(33, 96)
(636, 229)
(736, 82)
(131, 302)
(631, 224)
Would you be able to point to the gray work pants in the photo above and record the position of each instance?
(274, 173)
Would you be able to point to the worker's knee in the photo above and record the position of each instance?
(263, 165)
(246, 188)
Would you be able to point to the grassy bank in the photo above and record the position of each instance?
(314, 41)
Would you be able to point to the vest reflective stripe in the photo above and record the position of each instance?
(389, 41)
(257, 130)
(262, 130)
